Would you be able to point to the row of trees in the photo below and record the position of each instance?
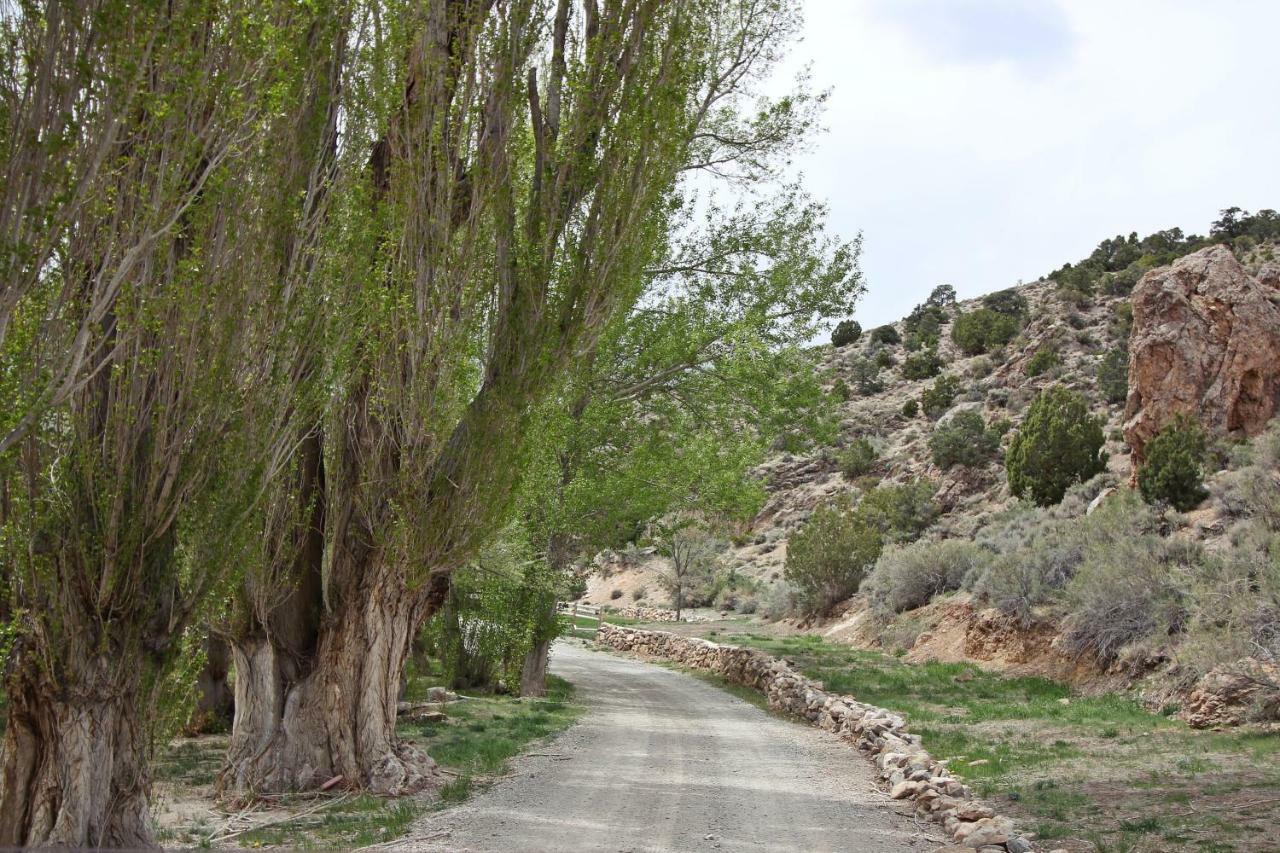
(303, 305)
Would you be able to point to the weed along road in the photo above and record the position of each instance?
(665, 762)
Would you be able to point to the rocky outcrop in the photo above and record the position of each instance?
(908, 771)
(1206, 344)
(1231, 695)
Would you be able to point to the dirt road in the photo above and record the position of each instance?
(665, 762)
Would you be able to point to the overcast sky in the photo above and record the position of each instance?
(979, 142)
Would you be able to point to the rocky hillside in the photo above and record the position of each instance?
(1142, 342)
(1067, 338)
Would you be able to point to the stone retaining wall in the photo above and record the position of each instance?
(907, 769)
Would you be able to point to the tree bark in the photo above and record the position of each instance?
(533, 675)
(299, 723)
(74, 772)
(339, 718)
(215, 707)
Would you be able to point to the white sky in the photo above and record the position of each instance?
(979, 142)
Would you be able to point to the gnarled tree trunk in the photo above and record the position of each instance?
(75, 762)
(302, 721)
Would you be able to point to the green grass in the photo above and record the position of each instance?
(1099, 769)
(482, 733)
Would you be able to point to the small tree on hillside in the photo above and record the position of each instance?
(846, 332)
(692, 552)
(1173, 470)
(829, 557)
(1113, 375)
(1057, 445)
(963, 440)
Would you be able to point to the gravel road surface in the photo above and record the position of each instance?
(662, 761)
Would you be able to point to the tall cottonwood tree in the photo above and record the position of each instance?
(507, 211)
(155, 216)
(684, 392)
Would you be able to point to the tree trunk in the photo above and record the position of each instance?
(533, 676)
(300, 723)
(74, 772)
(215, 707)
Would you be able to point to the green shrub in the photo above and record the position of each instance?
(1008, 302)
(1045, 358)
(1113, 376)
(846, 332)
(1121, 322)
(1172, 470)
(1058, 444)
(910, 409)
(884, 358)
(963, 440)
(923, 365)
(937, 398)
(885, 335)
(925, 321)
(866, 377)
(841, 390)
(899, 512)
(983, 330)
(909, 576)
(857, 459)
(828, 558)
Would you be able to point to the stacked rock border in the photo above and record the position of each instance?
(909, 772)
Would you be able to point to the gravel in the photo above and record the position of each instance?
(665, 762)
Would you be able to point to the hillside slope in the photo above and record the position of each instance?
(1069, 332)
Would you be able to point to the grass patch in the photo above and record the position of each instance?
(1098, 770)
(483, 732)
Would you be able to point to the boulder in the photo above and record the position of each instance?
(1206, 344)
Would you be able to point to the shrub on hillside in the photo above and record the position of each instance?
(1131, 590)
(910, 409)
(899, 512)
(1121, 322)
(922, 365)
(983, 330)
(841, 390)
(885, 335)
(828, 558)
(909, 576)
(937, 398)
(866, 377)
(1234, 615)
(1251, 490)
(846, 332)
(856, 459)
(1008, 302)
(1172, 471)
(1041, 549)
(963, 440)
(1058, 444)
(1045, 358)
(1113, 376)
(884, 358)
